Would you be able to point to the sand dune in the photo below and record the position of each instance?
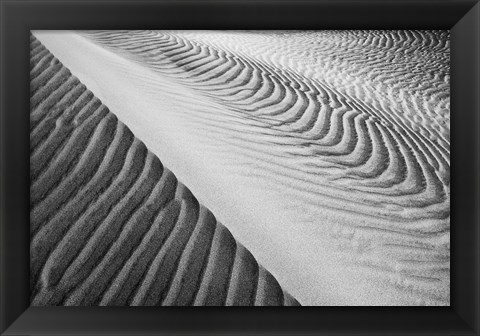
(110, 225)
(333, 146)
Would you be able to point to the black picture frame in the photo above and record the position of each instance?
(462, 17)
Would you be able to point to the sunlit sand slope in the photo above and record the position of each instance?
(397, 157)
(333, 145)
(110, 225)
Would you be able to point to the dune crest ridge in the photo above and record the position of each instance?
(110, 224)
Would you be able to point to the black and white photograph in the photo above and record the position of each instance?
(239, 168)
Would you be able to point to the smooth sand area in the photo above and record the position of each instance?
(326, 154)
(110, 225)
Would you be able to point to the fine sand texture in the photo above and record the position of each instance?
(325, 153)
(110, 225)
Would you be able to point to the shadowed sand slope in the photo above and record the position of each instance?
(326, 153)
(110, 225)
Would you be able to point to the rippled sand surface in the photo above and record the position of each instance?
(326, 154)
(110, 225)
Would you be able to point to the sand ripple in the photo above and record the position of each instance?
(390, 157)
